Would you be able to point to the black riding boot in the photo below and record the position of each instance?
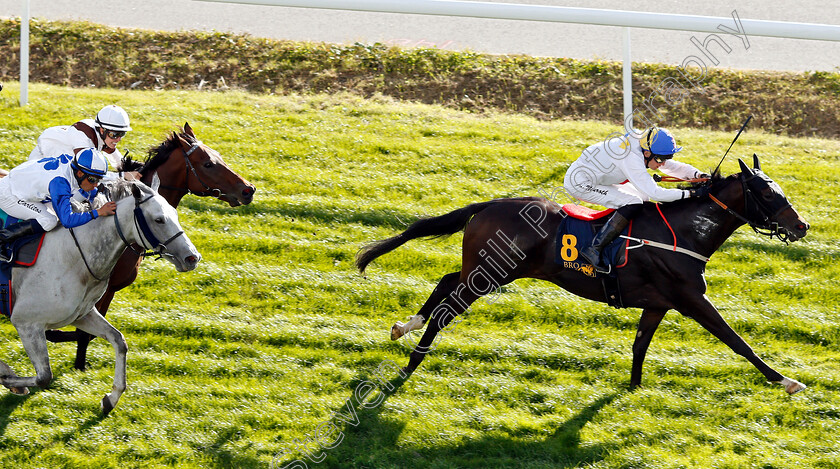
(608, 233)
(18, 230)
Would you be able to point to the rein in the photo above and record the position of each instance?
(766, 226)
(84, 259)
(189, 168)
(145, 233)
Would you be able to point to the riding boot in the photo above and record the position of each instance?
(18, 230)
(608, 233)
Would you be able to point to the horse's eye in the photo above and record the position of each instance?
(160, 220)
(768, 195)
(208, 164)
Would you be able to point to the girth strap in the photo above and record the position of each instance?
(669, 247)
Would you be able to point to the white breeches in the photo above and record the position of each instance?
(26, 210)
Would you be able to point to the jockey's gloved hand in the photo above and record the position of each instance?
(699, 191)
(704, 176)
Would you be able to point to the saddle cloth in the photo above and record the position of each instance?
(576, 232)
(23, 252)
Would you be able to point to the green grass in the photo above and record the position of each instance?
(265, 342)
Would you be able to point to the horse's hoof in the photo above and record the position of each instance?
(397, 331)
(107, 407)
(19, 391)
(792, 386)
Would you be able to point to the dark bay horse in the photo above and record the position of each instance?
(507, 239)
(184, 166)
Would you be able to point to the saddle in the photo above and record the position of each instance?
(576, 232)
(22, 252)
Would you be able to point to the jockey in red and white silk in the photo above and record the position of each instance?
(102, 133)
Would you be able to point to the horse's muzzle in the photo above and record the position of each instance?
(243, 197)
(798, 231)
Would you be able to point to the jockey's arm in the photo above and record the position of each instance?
(680, 170)
(60, 195)
(638, 176)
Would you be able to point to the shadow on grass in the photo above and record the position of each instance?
(8, 404)
(373, 441)
(560, 450)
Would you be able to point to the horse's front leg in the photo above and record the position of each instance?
(97, 325)
(705, 313)
(35, 343)
(647, 326)
(7, 372)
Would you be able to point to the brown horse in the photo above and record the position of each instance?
(184, 166)
(507, 239)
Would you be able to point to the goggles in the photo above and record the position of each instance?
(115, 134)
(93, 179)
(661, 158)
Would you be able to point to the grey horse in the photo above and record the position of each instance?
(62, 288)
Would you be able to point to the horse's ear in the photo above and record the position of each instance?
(185, 145)
(155, 182)
(136, 192)
(188, 130)
(756, 164)
(744, 168)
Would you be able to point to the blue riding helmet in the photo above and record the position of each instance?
(660, 142)
(91, 162)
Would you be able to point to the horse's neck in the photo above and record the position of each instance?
(100, 243)
(706, 224)
(170, 184)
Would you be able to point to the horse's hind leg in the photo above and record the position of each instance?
(97, 325)
(456, 303)
(446, 286)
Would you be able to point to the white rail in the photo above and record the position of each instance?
(555, 14)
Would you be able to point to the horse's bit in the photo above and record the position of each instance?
(765, 225)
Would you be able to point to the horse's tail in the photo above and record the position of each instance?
(443, 225)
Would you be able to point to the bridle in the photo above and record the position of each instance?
(758, 214)
(190, 169)
(146, 236)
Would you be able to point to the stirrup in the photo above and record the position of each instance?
(595, 265)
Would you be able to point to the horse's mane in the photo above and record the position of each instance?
(157, 155)
(714, 184)
(115, 190)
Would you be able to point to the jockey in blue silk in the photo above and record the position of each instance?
(40, 191)
(103, 133)
(614, 174)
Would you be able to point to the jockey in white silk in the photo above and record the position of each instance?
(102, 133)
(613, 173)
(39, 193)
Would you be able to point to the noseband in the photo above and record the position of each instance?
(758, 214)
(146, 234)
(142, 228)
